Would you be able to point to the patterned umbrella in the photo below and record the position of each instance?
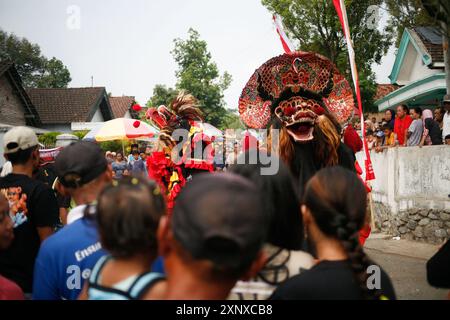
(121, 129)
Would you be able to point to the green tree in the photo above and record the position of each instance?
(200, 76)
(406, 14)
(55, 75)
(34, 68)
(314, 26)
(162, 95)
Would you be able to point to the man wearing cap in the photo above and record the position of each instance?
(65, 260)
(33, 207)
(446, 118)
(214, 238)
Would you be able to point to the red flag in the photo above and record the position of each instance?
(285, 42)
(339, 5)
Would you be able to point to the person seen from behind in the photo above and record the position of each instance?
(66, 258)
(214, 237)
(33, 207)
(128, 233)
(333, 213)
(285, 236)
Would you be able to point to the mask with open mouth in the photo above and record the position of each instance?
(296, 88)
(299, 115)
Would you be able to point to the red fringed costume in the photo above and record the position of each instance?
(303, 95)
(182, 149)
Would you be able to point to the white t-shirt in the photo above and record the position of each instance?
(76, 213)
(446, 125)
(284, 265)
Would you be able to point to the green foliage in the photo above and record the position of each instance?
(161, 96)
(48, 139)
(406, 14)
(34, 68)
(416, 13)
(80, 134)
(200, 76)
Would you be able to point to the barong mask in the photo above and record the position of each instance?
(296, 88)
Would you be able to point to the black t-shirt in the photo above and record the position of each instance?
(328, 280)
(433, 131)
(304, 164)
(32, 204)
(438, 268)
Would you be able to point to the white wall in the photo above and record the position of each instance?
(411, 177)
(98, 117)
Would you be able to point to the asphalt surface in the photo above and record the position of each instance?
(404, 261)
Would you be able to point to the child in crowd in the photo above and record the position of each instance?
(333, 213)
(137, 165)
(447, 139)
(128, 233)
(371, 140)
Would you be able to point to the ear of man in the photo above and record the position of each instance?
(256, 266)
(164, 236)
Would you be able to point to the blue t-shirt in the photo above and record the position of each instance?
(65, 261)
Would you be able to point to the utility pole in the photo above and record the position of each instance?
(92, 81)
(446, 49)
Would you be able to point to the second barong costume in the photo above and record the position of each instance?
(182, 150)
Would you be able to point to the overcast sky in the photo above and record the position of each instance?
(125, 45)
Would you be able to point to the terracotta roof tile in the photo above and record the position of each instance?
(120, 105)
(383, 90)
(65, 105)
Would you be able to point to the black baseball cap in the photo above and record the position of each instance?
(219, 217)
(80, 163)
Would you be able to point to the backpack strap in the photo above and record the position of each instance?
(95, 273)
(143, 283)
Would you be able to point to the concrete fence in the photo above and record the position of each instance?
(411, 192)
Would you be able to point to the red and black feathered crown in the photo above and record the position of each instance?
(304, 76)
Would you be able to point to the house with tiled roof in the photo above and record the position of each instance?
(59, 108)
(121, 107)
(418, 71)
(16, 109)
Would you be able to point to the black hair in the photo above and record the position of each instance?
(21, 156)
(369, 132)
(339, 210)
(135, 152)
(405, 108)
(128, 214)
(279, 198)
(418, 110)
(447, 137)
(387, 126)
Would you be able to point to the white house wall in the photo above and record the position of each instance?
(413, 67)
(98, 117)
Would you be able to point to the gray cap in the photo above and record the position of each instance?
(219, 217)
(19, 138)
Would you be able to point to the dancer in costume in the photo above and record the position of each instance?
(303, 95)
(182, 149)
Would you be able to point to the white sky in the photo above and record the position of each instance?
(125, 45)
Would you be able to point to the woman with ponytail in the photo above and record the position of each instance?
(334, 210)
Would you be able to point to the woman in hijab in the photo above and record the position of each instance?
(431, 133)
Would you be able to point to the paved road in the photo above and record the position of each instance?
(404, 261)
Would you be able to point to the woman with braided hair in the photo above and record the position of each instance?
(332, 214)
